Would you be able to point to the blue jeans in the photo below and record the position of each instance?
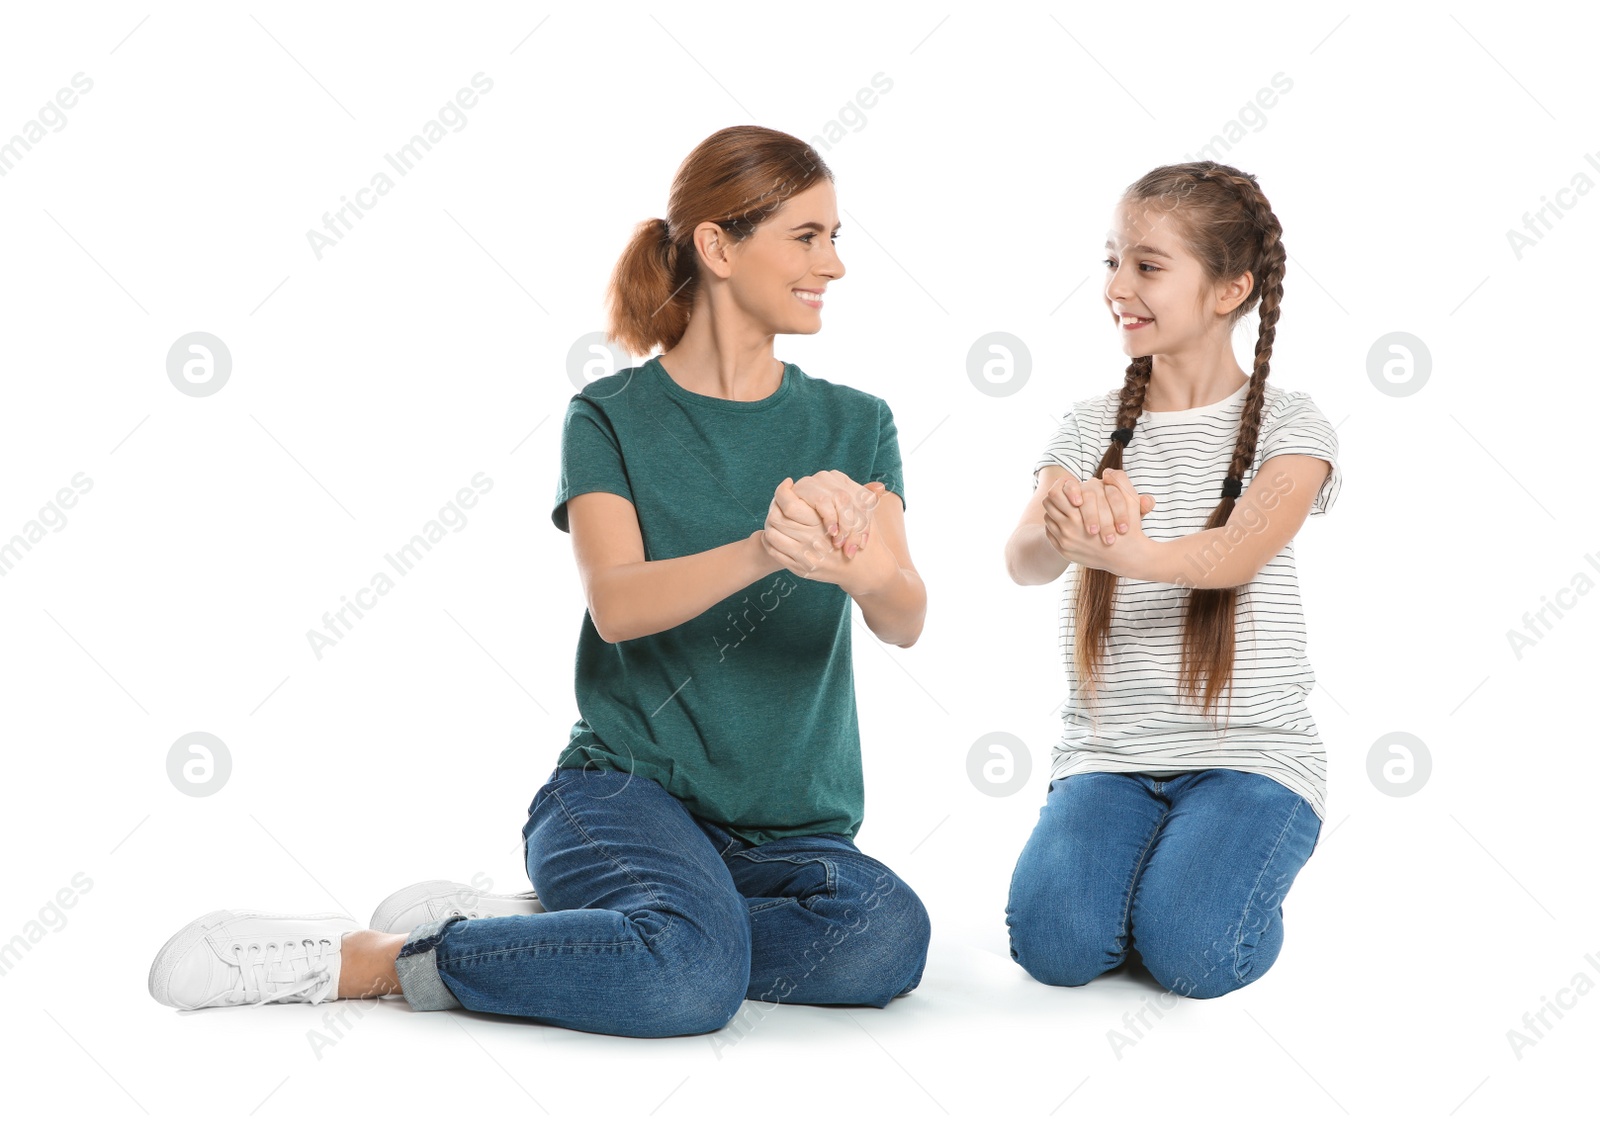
(1191, 869)
(660, 923)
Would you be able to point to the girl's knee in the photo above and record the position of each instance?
(1200, 966)
(1063, 947)
(1211, 982)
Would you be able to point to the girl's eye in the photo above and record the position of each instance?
(1111, 265)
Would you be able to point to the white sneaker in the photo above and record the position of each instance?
(434, 899)
(248, 957)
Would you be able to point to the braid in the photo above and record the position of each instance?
(1231, 228)
(1269, 271)
(1130, 406)
(1211, 617)
(1096, 598)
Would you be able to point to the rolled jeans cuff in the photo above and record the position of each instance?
(417, 970)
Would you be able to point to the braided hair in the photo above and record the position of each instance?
(1226, 222)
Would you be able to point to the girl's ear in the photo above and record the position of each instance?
(1233, 293)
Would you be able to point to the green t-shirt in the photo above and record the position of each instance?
(747, 712)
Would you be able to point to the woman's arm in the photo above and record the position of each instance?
(890, 593)
(631, 597)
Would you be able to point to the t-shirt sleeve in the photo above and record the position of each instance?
(591, 458)
(886, 467)
(1298, 428)
(1065, 449)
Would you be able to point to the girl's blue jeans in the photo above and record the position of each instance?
(660, 923)
(1190, 869)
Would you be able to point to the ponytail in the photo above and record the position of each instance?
(736, 178)
(651, 291)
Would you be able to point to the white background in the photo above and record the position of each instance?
(432, 343)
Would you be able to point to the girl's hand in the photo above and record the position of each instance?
(1105, 510)
(1066, 524)
(818, 525)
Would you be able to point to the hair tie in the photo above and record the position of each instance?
(666, 231)
(1231, 488)
(1124, 434)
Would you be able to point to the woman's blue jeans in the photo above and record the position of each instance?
(660, 923)
(1190, 869)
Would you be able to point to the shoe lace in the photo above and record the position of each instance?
(291, 970)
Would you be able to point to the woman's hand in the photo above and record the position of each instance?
(1109, 505)
(818, 525)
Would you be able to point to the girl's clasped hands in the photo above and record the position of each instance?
(1083, 520)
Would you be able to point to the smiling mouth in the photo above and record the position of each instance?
(812, 298)
(1129, 323)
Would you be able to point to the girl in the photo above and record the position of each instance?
(1160, 829)
(694, 844)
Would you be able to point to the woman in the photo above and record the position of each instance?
(693, 846)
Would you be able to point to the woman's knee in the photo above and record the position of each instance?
(886, 928)
(702, 981)
(915, 931)
(704, 1000)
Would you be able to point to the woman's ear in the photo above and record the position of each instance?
(712, 247)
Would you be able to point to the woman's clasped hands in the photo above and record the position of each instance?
(820, 526)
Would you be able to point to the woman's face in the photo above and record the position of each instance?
(1151, 275)
(779, 273)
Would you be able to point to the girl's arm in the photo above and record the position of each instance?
(1031, 559)
(630, 597)
(1265, 518)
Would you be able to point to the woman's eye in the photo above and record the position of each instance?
(810, 234)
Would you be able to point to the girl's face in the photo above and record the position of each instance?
(780, 272)
(1157, 292)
